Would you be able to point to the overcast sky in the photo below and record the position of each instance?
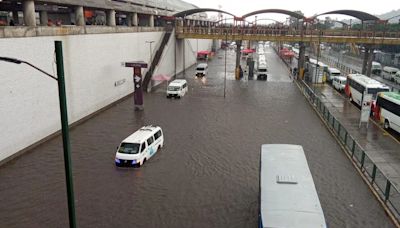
(308, 7)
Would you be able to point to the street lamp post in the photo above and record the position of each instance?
(226, 47)
(64, 124)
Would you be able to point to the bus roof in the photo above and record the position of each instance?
(367, 81)
(288, 194)
(333, 70)
(391, 96)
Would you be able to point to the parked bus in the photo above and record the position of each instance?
(376, 68)
(388, 110)
(288, 197)
(358, 83)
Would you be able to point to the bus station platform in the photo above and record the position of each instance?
(381, 147)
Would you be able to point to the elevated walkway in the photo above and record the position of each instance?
(288, 35)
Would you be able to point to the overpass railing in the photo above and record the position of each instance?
(285, 32)
(385, 189)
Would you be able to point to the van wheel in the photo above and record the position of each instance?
(159, 148)
(386, 125)
(142, 163)
(179, 97)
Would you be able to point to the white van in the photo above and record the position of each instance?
(201, 70)
(177, 88)
(389, 72)
(396, 77)
(139, 147)
(332, 73)
(339, 82)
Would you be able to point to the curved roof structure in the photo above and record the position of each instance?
(199, 10)
(287, 12)
(363, 16)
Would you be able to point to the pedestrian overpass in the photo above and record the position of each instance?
(304, 30)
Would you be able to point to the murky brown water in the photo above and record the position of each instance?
(205, 176)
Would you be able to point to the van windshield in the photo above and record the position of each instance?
(129, 148)
(262, 70)
(335, 74)
(200, 68)
(173, 88)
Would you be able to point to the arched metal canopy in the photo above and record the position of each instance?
(287, 12)
(363, 16)
(199, 10)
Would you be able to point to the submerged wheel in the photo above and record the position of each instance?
(386, 125)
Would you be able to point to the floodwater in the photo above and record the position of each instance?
(207, 174)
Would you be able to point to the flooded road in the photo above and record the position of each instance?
(207, 173)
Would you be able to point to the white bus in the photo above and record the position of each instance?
(358, 83)
(388, 104)
(288, 197)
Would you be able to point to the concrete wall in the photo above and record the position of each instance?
(29, 108)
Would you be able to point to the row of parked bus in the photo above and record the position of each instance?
(385, 105)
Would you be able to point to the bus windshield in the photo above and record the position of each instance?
(374, 91)
(129, 148)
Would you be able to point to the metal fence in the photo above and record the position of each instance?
(386, 190)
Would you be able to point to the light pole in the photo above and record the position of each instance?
(150, 66)
(64, 124)
(226, 47)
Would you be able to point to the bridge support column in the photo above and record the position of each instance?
(151, 21)
(79, 17)
(43, 17)
(28, 8)
(300, 63)
(135, 21)
(15, 17)
(237, 69)
(365, 61)
(370, 58)
(111, 18)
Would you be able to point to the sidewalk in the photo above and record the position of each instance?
(380, 147)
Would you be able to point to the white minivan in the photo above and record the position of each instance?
(201, 70)
(389, 72)
(177, 88)
(139, 147)
(339, 82)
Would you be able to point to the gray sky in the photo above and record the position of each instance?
(308, 7)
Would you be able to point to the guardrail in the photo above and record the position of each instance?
(384, 188)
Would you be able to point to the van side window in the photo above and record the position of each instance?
(184, 85)
(143, 147)
(157, 135)
(150, 141)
